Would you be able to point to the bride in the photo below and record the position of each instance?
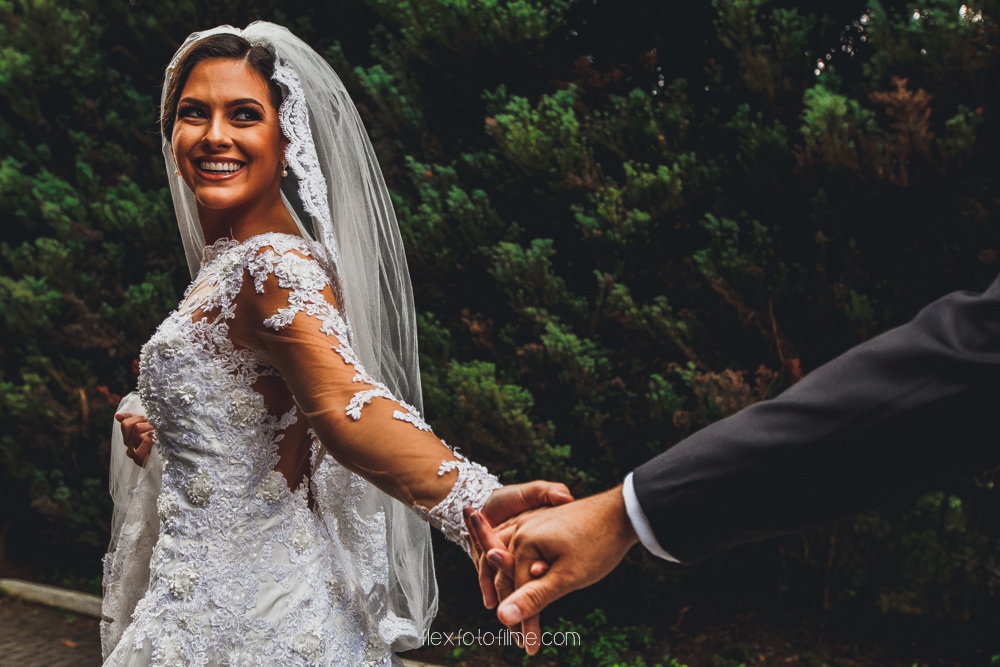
(269, 521)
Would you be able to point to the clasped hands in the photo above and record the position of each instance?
(542, 553)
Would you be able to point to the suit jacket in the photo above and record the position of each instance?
(901, 413)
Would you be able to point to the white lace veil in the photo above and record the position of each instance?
(336, 180)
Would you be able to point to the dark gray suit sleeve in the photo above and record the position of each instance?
(901, 413)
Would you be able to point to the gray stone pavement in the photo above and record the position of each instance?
(33, 635)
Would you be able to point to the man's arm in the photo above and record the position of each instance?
(900, 413)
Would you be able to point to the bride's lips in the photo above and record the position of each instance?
(218, 175)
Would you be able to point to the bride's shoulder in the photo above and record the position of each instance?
(279, 275)
(279, 244)
(233, 271)
(280, 241)
(262, 255)
(226, 256)
(295, 262)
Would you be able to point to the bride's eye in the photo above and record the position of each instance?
(247, 114)
(190, 112)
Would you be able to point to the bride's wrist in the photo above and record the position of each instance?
(473, 487)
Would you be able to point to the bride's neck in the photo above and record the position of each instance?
(259, 217)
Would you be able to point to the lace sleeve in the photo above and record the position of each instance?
(287, 312)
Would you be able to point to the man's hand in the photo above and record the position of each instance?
(138, 436)
(581, 542)
(506, 503)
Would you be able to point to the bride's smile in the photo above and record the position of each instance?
(218, 168)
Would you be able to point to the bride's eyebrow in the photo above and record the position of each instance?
(233, 103)
(242, 101)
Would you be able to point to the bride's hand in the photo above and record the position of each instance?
(506, 503)
(138, 436)
(500, 562)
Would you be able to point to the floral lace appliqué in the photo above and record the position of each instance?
(306, 280)
(472, 489)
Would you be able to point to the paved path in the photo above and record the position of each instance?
(32, 635)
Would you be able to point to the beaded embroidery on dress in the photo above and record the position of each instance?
(245, 570)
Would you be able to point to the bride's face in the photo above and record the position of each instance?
(227, 141)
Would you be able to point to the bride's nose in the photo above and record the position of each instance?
(216, 132)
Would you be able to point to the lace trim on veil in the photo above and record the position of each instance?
(303, 160)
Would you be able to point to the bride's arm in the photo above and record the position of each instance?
(286, 312)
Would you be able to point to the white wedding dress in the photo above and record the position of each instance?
(261, 555)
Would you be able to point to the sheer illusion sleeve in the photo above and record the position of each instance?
(286, 312)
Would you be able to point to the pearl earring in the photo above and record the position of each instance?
(284, 168)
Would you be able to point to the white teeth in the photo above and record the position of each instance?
(224, 167)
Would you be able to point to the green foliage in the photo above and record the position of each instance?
(745, 262)
(761, 147)
(443, 222)
(89, 266)
(663, 399)
(395, 99)
(460, 25)
(960, 140)
(625, 216)
(769, 48)
(947, 40)
(528, 278)
(610, 245)
(548, 139)
(860, 311)
(594, 643)
(500, 426)
(833, 126)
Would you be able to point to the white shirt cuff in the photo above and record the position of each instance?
(640, 522)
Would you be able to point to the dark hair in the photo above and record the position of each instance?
(234, 47)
